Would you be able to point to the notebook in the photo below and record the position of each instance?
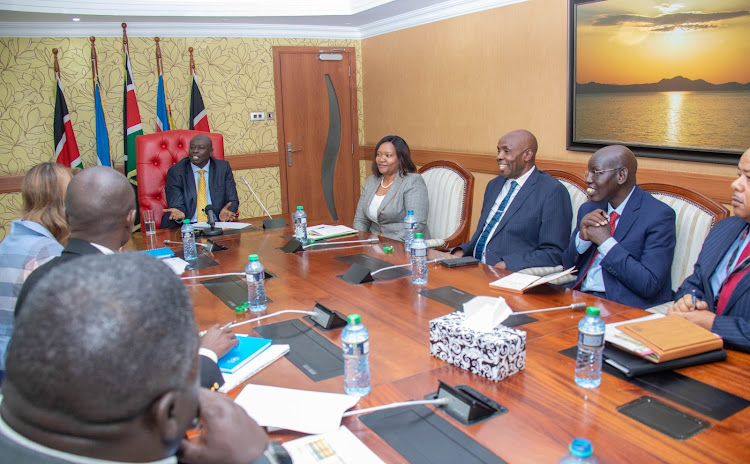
(245, 351)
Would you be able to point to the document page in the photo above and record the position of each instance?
(337, 447)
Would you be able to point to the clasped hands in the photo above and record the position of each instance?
(225, 215)
(594, 227)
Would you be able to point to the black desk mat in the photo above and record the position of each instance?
(423, 437)
(232, 290)
(312, 353)
(455, 298)
(373, 264)
(694, 394)
(202, 262)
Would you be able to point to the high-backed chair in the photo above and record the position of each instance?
(696, 215)
(576, 187)
(450, 188)
(155, 154)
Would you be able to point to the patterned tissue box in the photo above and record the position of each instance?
(494, 355)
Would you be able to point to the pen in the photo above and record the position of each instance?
(695, 301)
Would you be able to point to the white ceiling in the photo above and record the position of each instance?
(334, 19)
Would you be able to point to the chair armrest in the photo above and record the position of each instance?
(543, 271)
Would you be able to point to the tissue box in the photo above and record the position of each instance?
(495, 355)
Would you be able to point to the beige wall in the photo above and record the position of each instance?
(458, 84)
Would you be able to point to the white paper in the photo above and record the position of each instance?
(299, 410)
(520, 282)
(338, 447)
(178, 265)
(269, 355)
(484, 313)
(323, 231)
(222, 225)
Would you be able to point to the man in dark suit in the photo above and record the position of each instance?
(196, 181)
(624, 242)
(100, 207)
(719, 280)
(526, 213)
(121, 381)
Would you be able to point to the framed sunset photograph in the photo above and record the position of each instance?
(667, 79)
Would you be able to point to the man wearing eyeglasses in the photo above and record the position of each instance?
(624, 242)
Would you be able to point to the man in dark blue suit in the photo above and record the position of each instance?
(526, 213)
(624, 242)
(199, 171)
(719, 280)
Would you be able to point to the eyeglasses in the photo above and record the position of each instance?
(596, 173)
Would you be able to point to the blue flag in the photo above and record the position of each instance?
(163, 119)
(103, 152)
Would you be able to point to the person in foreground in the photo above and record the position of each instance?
(100, 207)
(39, 235)
(121, 384)
(719, 279)
(393, 189)
(526, 213)
(196, 181)
(624, 242)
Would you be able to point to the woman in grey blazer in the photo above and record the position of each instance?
(392, 190)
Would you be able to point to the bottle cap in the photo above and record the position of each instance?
(581, 447)
(253, 257)
(242, 307)
(186, 221)
(418, 235)
(410, 212)
(353, 319)
(299, 208)
(592, 311)
(388, 249)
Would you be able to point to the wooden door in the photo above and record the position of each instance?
(316, 108)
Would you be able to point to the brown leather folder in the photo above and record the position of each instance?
(672, 337)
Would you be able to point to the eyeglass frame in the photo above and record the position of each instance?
(595, 173)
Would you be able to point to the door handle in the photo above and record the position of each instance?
(289, 152)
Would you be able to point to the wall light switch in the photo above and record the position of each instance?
(258, 116)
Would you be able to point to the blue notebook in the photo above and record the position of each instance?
(245, 351)
(160, 253)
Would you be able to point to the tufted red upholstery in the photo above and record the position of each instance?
(155, 154)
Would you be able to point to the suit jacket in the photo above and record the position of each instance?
(76, 248)
(535, 228)
(181, 193)
(405, 194)
(636, 271)
(733, 324)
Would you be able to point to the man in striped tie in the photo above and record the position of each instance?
(624, 242)
(197, 181)
(717, 295)
(526, 214)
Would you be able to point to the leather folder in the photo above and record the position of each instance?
(672, 337)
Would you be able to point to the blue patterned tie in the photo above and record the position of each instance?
(491, 225)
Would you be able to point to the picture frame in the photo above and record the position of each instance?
(662, 79)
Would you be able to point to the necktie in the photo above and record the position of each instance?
(613, 216)
(479, 250)
(736, 274)
(202, 202)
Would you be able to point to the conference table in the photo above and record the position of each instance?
(546, 410)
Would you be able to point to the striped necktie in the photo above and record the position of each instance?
(482, 242)
(202, 202)
(733, 275)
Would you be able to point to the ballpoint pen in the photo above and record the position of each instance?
(695, 300)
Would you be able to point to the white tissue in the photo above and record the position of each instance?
(484, 313)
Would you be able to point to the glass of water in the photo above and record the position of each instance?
(149, 225)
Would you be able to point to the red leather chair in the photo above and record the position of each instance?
(155, 154)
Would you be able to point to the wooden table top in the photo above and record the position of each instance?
(546, 409)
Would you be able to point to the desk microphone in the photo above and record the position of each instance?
(211, 214)
(269, 223)
(580, 306)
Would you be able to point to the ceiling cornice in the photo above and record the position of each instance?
(137, 28)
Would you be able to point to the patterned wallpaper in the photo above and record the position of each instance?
(235, 77)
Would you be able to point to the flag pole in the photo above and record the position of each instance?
(192, 62)
(94, 67)
(160, 68)
(57, 64)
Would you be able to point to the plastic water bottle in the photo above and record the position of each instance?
(355, 341)
(300, 225)
(419, 260)
(188, 241)
(410, 225)
(580, 453)
(255, 275)
(590, 346)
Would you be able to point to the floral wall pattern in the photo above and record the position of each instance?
(235, 77)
